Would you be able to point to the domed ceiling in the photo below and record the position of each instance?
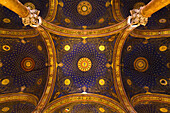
(83, 56)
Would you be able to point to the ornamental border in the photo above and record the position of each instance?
(18, 33)
(150, 33)
(116, 10)
(117, 69)
(101, 32)
(26, 97)
(79, 97)
(51, 70)
(153, 97)
(52, 10)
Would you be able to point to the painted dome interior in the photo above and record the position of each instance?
(82, 59)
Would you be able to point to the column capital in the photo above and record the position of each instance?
(136, 18)
(32, 19)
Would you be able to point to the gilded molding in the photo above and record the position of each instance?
(153, 6)
(150, 33)
(26, 97)
(16, 6)
(58, 30)
(117, 69)
(18, 33)
(153, 97)
(51, 70)
(52, 10)
(89, 97)
(117, 15)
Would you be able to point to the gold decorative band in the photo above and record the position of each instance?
(10, 97)
(116, 10)
(154, 97)
(84, 98)
(52, 10)
(58, 30)
(18, 33)
(117, 69)
(51, 70)
(150, 33)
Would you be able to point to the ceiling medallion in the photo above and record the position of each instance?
(163, 48)
(67, 20)
(67, 110)
(163, 82)
(129, 48)
(84, 8)
(164, 110)
(129, 82)
(141, 64)
(101, 20)
(67, 47)
(84, 64)
(6, 20)
(163, 20)
(102, 82)
(67, 82)
(101, 48)
(39, 47)
(5, 82)
(6, 47)
(27, 64)
(101, 109)
(5, 109)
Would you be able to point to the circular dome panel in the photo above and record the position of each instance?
(84, 8)
(84, 64)
(27, 64)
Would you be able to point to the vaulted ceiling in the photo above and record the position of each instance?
(84, 59)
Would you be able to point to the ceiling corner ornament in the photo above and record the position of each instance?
(32, 18)
(141, 64)
(50, 83)
(84, 8)
(6, 47)
(84, 64)
(136, 19)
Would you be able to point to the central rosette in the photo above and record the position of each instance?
(84, 64)
(84, 8)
